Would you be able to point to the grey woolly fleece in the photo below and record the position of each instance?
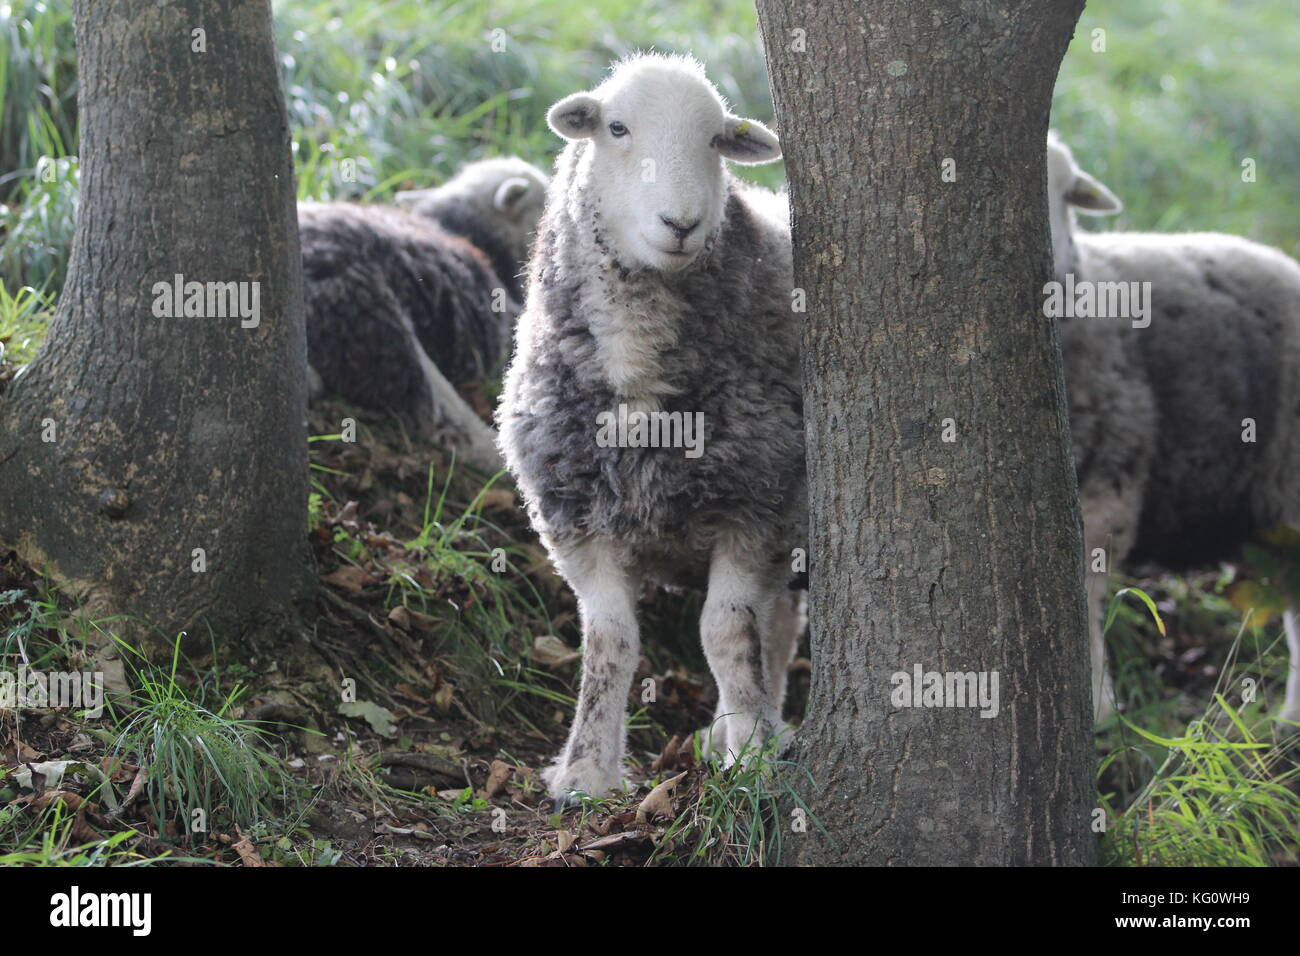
(727, 345)
(380, 285)
(1158, 412)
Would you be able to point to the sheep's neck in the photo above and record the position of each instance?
(634, 324)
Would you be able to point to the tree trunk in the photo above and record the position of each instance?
(945, 530)
(155, 462)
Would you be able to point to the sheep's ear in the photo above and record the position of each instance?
(575, 117)
(509, 195)
(1089, 196)
(747, 141)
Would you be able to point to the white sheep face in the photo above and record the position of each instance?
(1070, 188)
(659, 133)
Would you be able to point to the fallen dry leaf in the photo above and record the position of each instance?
(350, 579)
(498, 774)
(72, 801)
(677, 753)
(615, 840)
(549, 651)
(248, 854)
(659, 801)
(81, 830)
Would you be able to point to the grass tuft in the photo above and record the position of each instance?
(205, 771)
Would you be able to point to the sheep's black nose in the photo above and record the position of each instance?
(680, 229)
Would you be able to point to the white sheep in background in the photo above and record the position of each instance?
(402, 308)
(658, 285)
(1157, 413)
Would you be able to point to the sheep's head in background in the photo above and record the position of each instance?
(652, 140)
(508, 193)
(1069, 188)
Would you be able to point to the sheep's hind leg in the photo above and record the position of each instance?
(1103, 690)
(450, 419)
(735, 629)
(1291, 706)
(592, 760)
(1108, 523)
(788, 620)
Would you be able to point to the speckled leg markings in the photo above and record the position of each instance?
(592, 760)
(735, 628)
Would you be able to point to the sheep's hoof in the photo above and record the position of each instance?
(785, 740)
(763, 740)
(713, 739)
(564, 781)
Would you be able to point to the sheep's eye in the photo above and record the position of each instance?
(618, 129)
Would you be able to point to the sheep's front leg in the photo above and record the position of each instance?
(735, 629)
(592, 760)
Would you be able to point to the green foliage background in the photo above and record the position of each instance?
(1181, 94)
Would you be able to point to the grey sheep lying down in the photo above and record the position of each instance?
(1185, 421)
(403, 307)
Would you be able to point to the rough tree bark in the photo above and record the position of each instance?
(134, 440)
(914, 139)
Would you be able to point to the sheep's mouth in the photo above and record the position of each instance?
(680, 252)
(668, 259)
(677, 251)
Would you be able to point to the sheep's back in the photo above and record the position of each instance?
(1223, 346)
(374, 277)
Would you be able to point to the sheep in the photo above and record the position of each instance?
(403, 306)
(660, 286)
(495, 204)
(1158, 414)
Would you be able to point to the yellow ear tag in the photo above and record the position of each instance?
(741, 128)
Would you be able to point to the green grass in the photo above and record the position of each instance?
(740, 815)
(1216, 788)
(24, 317)
(50, 841)
(490, 638)
(175, 726)
(38, 82)
(464, 575)
(198, 760)
(1185, 90)
(1222, 796)
(36, 232)
(410, 90)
